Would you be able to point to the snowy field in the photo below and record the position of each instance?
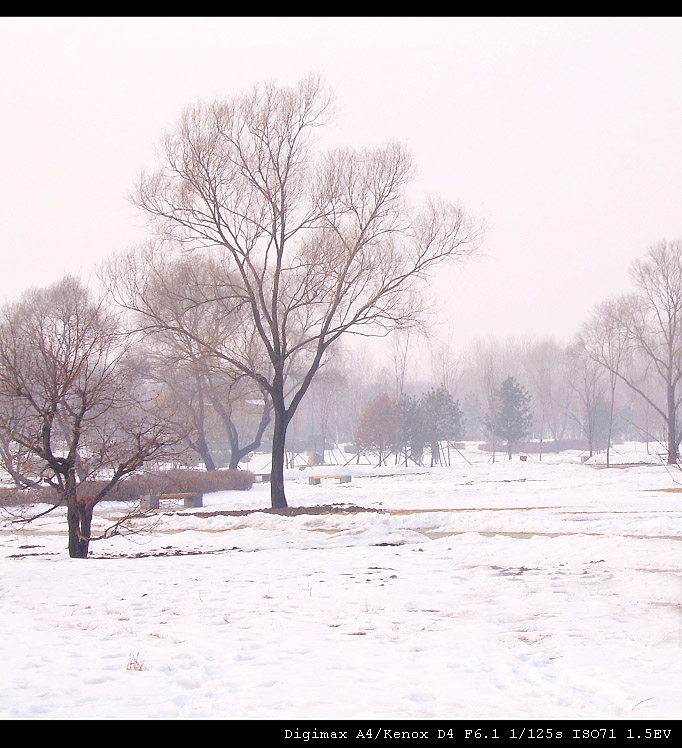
(535, 590)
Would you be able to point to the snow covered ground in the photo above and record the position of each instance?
(506, 590)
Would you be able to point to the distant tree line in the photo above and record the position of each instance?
(406, 426)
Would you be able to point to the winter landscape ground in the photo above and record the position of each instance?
(505, 590)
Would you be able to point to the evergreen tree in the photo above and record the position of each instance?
(511, 418)
(442, 420)
(411, 430)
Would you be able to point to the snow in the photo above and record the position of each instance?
(540, 589)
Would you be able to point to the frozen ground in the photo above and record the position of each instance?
(509, 590)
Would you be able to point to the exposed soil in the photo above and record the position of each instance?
(290, 511)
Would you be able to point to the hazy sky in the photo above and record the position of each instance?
(563, 134)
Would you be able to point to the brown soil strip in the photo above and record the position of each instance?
(469, 509)
(290, 511)
(625, 465)
(526, 535)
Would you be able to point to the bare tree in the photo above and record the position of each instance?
(245, 411)
(544, 363)
(211, 395)
(488, 364)
(447, 368)
(317, 245)
(650, 323)
(70, 407)
(400, 355)
(607, 341)
(585, 376)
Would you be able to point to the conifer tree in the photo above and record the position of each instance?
(511, 418)
(411, 430)
(442, 418)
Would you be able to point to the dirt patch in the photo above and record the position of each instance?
(625, 465)
(165, 552)
(290, 511)
(471, 509)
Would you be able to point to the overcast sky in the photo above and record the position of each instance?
(563, 134)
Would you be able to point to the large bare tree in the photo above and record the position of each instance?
(315, 244)
(71, 409)
(607, 340)
(647, 324)
(585, 377)
(225, 410)
(544, 364)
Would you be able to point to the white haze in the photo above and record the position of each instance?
(562, 134)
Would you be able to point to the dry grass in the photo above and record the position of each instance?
(12, 496)
(135, 663)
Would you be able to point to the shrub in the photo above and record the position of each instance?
(196, 481)
(13, 496)
(135, 486)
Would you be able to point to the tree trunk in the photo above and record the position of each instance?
(279, 434)
(672, 427)
(205, 453)
(79, 518)
(610, 431)
(237, 452)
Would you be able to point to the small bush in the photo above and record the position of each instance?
(173, 481)
(135, 486)
(198, 481)
(13, 496)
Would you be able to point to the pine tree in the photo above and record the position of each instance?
(511, 419)
(411, 430)
(442, 419)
